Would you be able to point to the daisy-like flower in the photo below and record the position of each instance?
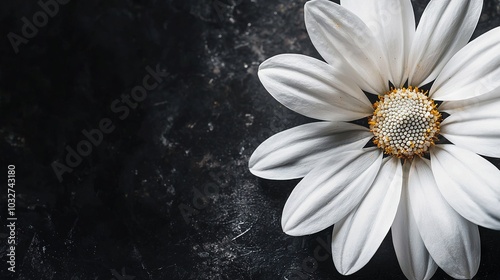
(431, 195)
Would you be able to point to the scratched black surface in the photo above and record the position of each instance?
(136, 207)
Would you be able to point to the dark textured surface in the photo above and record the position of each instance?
(167, 194)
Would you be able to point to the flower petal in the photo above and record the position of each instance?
(292, 153)
(330, 191)
(473, 71)
(456, 106)
(357, 237)
(469, 183)
(473, 123)
(445, 27)
(393, 24)
(413, 257)
(343, 39)
(313, 88)
(452, 241)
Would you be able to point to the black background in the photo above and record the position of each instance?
(167, 194)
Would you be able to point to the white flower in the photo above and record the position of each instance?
(432, 196)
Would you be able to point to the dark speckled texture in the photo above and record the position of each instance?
(167, 194)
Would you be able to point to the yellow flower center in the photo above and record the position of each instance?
(405, 122)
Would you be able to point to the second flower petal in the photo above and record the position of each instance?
(452, 241)
(313, 88)
(343, 39)
(292, 153)
(357, 237)
(330, 191)
(393, 24)
(472, 72)
(473, 123)
(445, 27)
(414, 259)
(469, 183)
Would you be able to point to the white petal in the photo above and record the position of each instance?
(445, 27)
(343, 39)
(414, 259)
(473, 71)
(357, 237)
(474, 123)
(452, 241)
(393, 24)
(313, 88)
(469, 183)
(292, 153)
(455, 106)
(330, 191)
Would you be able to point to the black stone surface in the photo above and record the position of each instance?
(167, 193)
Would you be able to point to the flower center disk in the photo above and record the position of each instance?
(405, 122)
